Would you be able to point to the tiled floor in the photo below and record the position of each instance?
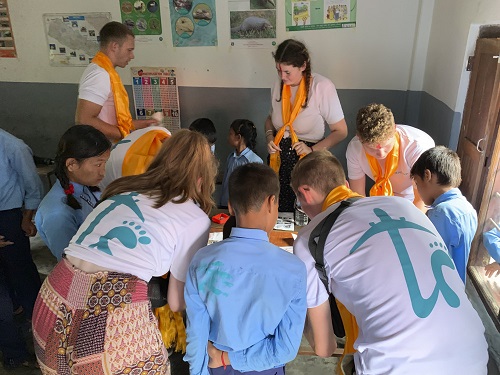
(302, 364)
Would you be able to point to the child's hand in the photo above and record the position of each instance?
(216, 356)
(492, 269)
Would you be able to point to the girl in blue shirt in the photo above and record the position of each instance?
(79, 167)
(242, 136)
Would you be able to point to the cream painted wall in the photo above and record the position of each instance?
(454, 30)
(387, 49)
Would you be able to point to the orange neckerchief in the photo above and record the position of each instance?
(382, 184)
(120, 96)
(288, 115)
(142, 152)
(338, 194)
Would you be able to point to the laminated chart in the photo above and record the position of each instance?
(155, 90)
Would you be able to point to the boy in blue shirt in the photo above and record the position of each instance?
(437, 174)
(243, 294)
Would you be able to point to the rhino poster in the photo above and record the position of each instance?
(317, 15)
(252, 23)
(193, 23)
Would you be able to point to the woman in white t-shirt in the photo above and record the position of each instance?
(302, 103)
(93, 313)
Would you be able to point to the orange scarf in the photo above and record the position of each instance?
(120, 96)
(338, 194)
(383, 186)
(142, 152)
(289, 114)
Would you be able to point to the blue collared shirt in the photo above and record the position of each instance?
(491, 241)
(248, 297)
(234, 161)
(57, 222)
(19, 181)
(456, 221)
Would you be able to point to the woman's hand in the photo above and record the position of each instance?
(271, 147)
(301, 148)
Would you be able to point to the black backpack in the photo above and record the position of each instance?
(316, 247)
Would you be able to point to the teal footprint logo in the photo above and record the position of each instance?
(126, 234)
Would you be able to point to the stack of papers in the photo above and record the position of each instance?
(285, 221)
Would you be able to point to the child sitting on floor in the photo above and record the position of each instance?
(244, 294)
(242, 137)
(437, 174)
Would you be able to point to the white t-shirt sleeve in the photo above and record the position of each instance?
(420, 143)
(353, 156)
(95, 85)
(315, 290)
(329, 102)
(189, 241)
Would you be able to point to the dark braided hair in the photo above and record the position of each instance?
(79, 142)
(292, 52)
(247, 130)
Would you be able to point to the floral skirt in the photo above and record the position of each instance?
(96, 323)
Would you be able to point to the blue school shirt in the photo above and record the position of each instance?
(248, 297)
(491, 241)
(456, 221)
(234, 161)
(57, 222)
(19, 181)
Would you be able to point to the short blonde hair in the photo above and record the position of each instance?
(182, 161)
(375, 123)
(320, 170)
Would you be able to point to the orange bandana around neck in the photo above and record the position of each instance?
(289, 114)
(382, 184)
(339, 194)
(142, 152)
(120, 96)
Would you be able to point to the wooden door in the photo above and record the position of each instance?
(481, 116)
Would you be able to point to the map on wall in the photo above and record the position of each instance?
(155, 90)
(193, 23)
(7, 46)
(73, 39)
(326, 14)
(141, 16)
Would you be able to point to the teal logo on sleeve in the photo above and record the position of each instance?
(439, 258)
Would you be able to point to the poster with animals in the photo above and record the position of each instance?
(252, 23)
(7, 46)
(155, 90)
(141, 16)
(193, 23)
(317, 15)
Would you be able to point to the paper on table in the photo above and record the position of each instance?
(214, 237)
(285, 221)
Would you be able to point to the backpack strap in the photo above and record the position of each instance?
(318, 237)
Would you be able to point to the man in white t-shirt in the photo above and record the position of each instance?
(386, 263)
(96, 102)
(376, 135)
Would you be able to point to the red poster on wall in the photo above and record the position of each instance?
(7, 46)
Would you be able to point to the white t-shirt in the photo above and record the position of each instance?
(384, 270)
(126, 234)
(323, 106)
(413, 143)
(115, 162)
(95, 86)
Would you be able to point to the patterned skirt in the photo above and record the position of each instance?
(96, 323)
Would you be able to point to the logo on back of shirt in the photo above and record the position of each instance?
(421, 306)
(125, 233)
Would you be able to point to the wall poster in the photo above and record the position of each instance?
(317, 15)
(73, 39)
(141, 16)
(252, 23)
(155, 90)
(7, 46)
(194, 23)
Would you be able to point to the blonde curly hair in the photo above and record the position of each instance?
(375, 123)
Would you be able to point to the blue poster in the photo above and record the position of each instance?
(193, 23)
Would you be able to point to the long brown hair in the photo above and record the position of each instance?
(174, 174)
(294, 53)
